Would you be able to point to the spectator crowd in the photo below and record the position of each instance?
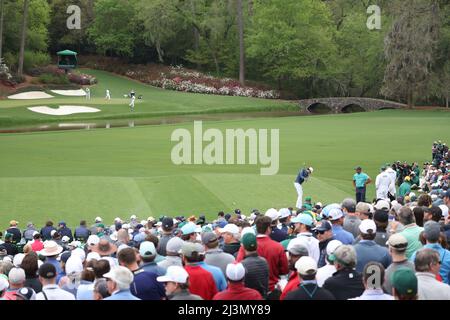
(394, 248)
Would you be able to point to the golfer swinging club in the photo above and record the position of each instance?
(301, 177)
(133, 98)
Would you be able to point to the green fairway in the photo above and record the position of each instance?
(124, 171)
(155, 102)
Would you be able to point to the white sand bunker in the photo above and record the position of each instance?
(63, 110)
(30, 95)
(70, 93)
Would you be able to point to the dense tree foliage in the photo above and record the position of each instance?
(309, 48)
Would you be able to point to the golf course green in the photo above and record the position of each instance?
(73, 175)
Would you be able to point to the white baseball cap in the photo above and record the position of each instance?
(133, 217)
(117, 220)
(231, 228)
(93, 255)
(367, 225)
(80, 253)
(311, 169)
(382, 204)
(235, 271)
(120, 275)
(52, 233)
(4, 284)
(18, 258)
(284, 213)
(335, 214)
(272, 214)
(65, 239)
(93, 240)
(247, 230)
(444, 209)
(174, 274)
(332, 246)
(74, 265)
(306, 265)
(98, 219)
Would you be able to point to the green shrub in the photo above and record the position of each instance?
(34, 59)
(53, 79)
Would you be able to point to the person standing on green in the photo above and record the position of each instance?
(360, 181)
(405, 187)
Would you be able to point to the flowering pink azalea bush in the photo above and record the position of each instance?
(187, 81)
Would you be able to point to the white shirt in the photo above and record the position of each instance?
(393, 175)
(374, 294)
(53, 292)
(383, 184)
(324, 273)
(311, 243)
(431, 289)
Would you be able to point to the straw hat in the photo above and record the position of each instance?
(51, 248)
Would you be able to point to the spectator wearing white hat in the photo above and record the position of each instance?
(119, 280)
(51, 251)
(72, 279)
(397, 245)
(285, 219)
(367, 250)
(336, 217)
(176, 281)
(16, 277)
(308, 288)
(329, 269)
(345, 283)
(173, 257)
(236, 287)
(276, 234)
(373, 279)
(231, 236)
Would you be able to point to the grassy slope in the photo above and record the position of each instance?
(117, 172)
(156, 102)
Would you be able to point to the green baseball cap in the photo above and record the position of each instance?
(308, 199)
(249, 242)
(404, 281)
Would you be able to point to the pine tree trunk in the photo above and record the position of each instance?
(23, 38)
(241, 43)
(1, 27)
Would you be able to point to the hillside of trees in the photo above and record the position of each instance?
(311, 48)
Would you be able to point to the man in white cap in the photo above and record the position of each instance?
(231, 236)
(302, 176)
(16, 278)
(119, 280)
(329, 269)
(308, 289)
(277, 234)
(367, 250)
(237, 290)
(336, 217)
(176, 281)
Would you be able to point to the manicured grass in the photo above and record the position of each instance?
(155, 102)
(124, 171)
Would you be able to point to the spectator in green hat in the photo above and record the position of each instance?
(404, 284)
(257, 269)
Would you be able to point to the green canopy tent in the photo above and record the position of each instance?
(67, 59)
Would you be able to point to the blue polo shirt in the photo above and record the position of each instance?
(343, 236)
(302, 176)
(146, 287)
(360, 179)
(219, 278)
(444, 254)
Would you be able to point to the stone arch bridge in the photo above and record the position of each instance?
(347, 105)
